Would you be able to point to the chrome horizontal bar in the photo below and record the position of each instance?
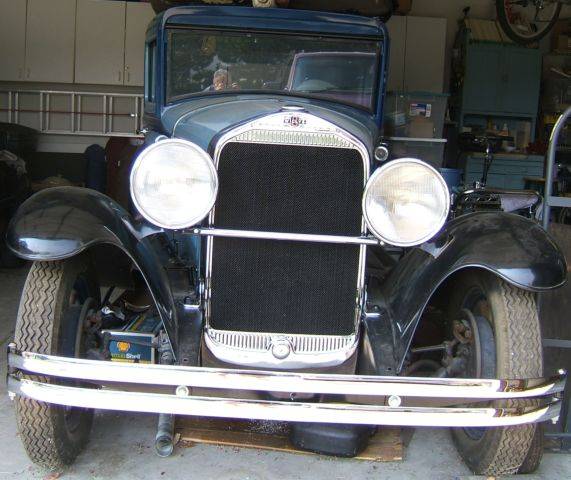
(292, 237)
(290, 382)
(277, 410)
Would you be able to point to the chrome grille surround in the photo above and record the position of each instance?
(255, 348)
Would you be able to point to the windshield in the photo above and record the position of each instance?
(207, 62)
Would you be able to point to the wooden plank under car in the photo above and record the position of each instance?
(385, 446)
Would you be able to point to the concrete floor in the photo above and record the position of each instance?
(122, 444)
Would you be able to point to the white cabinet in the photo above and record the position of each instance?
(50, 40)
(12, 39)
(425, 51)
(139, 16)
(397, 35)
(417, 54)
(99, 43)
(110, 42)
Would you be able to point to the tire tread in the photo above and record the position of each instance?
(519, 355)
(524, 360)
(35, 333)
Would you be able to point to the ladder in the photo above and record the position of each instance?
(59, 112)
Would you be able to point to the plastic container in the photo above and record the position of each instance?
(452, 177)
(415, 114)
(431, 152)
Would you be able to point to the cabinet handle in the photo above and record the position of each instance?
(28, 73)
(128, 76)
(119, 75)
(20, 73)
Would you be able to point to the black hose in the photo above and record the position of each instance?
(419, 364)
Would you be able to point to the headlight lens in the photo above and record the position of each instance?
(174, 183)
(406, 202)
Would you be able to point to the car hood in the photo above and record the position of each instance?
(202, 120)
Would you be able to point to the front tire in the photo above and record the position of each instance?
(52, 435)
(512, 315)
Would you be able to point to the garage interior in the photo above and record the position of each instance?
(72, 75)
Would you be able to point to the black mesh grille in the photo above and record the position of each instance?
(277, 286)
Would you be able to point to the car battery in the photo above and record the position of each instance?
(134, 344)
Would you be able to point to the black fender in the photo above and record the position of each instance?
(510, 246)
(59, 223)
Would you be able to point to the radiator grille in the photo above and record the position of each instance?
(262, 342)
(282, 286)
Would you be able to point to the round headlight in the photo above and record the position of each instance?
(174, 183)
(406, 202)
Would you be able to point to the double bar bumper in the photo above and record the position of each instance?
(124, 386)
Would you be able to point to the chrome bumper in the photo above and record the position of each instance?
(124, 386)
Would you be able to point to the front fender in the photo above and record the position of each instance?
(515, 248)
(59, 223)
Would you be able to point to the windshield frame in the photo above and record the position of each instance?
(377, 84)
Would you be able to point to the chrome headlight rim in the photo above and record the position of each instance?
(395, 164)
(161, 144)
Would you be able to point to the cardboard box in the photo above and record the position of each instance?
(421, 127)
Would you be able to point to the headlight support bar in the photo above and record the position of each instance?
(292, 237)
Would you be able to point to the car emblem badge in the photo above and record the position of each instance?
(281, 348)
(295, 121)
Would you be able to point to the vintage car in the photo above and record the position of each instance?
(276, 267)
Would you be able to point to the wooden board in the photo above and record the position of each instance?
(483, 30)
(385, 446)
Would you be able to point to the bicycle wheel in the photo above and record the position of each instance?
(527, 21)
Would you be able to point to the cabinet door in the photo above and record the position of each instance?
(397, 36)
(424, 58)
(482, 79)
(12, 39)
(138, 17)
(50, 40)
(521, 78)
(100, 43)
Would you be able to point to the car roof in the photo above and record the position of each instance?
(273, 19)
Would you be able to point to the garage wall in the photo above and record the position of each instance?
(451, 10)
(101, 52)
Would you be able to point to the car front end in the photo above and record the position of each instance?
(288, 265)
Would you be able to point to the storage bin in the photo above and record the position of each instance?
(415, 114)
(429, 151)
